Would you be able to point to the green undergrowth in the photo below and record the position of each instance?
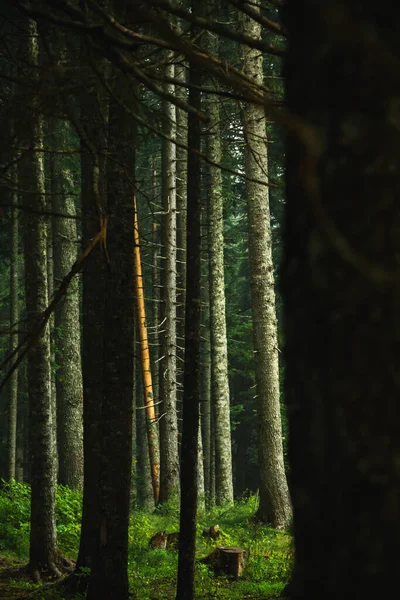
(152, 573)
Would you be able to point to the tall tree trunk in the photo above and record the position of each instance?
(181, 207)
(341, 291)
(151, 422)
(219, 346)
(205, 403)
(275, 507)
(144, 481)
(68, 333)
(169, 461)
(191, 393)
(93, 120)
(44, 556)
(109, 577)
(14, 318)
(50, 287)
(22, 454)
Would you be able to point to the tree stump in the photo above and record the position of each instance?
(212, 532)
(226, 559)
(165, 541)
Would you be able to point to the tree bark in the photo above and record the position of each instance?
(275, 506)
(341, 292)
(151, 422)
(44, 557)
(181, 206)
(93, 119)
(14, 318)
(191, 395)
(169, 461)
(219, 347)
(68, 334)
(109, 577)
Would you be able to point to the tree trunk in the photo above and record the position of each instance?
(275, 507)
(191, 394)
(50, 291)
(181, 205)
(144, 481)
(341, 292)
(44, 556)
(152, 426)
(205, 403)
(68, 334)
(109, 577)
(169, 461)
(93, 144)
(219, 349)
(14, 318)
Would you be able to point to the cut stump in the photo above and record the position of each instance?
(227, 560)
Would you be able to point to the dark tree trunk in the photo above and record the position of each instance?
(342, 297)
(14, 316)
(191, 393)
(93, 143)
(109, 577)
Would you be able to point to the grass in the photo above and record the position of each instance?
(152, 573)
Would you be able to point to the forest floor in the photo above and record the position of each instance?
(152, 572)
(11, 585)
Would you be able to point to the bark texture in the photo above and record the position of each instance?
(181, 205)
(43, 553)
(93, 143)
(169, 460)
(68, 334)
(275, 507)
(218, 341)
(109, 577)
(14, 316)
(191, 397)
(341, 289)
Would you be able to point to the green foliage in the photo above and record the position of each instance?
(15, 518)
(152, 573)
(69, 515)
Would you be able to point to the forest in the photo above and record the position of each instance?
(199, 299)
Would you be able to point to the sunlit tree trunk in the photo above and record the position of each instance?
(275, 507)
(68, 333)
(218, 341)
(145, 491)
(169, 461)
(341, 298)
(151, 422)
